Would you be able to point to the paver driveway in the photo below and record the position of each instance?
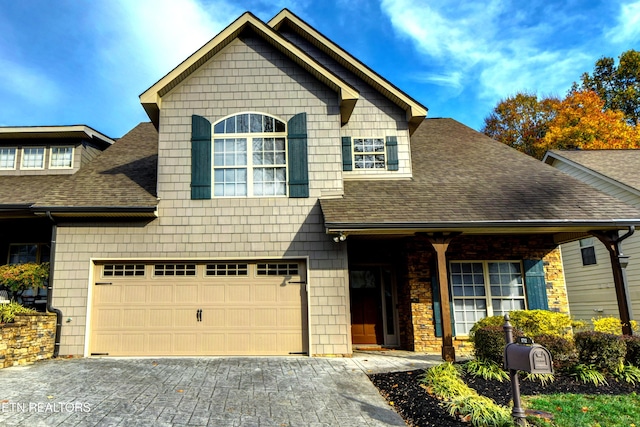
(287, 391)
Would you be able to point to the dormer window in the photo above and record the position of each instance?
(33, 158)
(8, 158)
(61, 158)
(249, 156)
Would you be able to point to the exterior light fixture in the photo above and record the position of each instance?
(340, 238)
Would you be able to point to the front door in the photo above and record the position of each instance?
(372, 306)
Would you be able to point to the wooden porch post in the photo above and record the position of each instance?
(619, 262)
(440, 243)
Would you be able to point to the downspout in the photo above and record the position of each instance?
(51, 308)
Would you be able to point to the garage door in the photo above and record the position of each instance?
(189, 309)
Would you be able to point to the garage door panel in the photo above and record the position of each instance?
(225, 310)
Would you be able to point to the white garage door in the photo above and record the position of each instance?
(189, 309)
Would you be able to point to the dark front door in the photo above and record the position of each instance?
(366, 306)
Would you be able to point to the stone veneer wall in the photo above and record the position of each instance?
(416, 299)
(29, 338)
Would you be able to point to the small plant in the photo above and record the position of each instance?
(543, 379)
(21, 277)
(444, 381)
(479, 411)
(628, 373)
(588, 374)
(9, 311)
(611, 325)
(605, 351)
(487, 369)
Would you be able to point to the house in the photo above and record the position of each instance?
(287, 199)
(587, 263)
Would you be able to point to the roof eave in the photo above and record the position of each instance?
(97, 211)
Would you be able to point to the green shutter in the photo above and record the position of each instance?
(437, 313)
(298, 161)
(347, 164)
(392, 153)
(535, 284)
(200, 158)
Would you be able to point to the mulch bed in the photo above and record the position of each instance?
(419, 409)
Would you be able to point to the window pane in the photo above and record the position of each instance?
(230, 182)
(7, 158)
(20, 254)
(280, 127)
(256, 123)
(268, 124)
(33, 158)
(219, 127)
(61, 157)
(242, 123)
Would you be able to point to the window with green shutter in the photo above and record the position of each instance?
(370, 153)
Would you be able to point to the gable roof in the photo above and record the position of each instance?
(151, 99)
(414, 110)
(620, 166)
(466, 181)
(120, 181)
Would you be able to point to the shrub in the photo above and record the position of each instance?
(8, 311)
(563, 351)
(532, 323)
(633, 350)
(489, 343)
(487, 369)
(20, 277)
(611, 325)
(480, 411)
(605, 351)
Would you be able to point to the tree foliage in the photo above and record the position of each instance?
(618, 86)
(521, 121)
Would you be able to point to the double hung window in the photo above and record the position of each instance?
(369, 153)
(485, 288)
(8, 158)
(249, 156)
(61, 157)
(33, 158)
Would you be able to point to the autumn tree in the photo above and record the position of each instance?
(582, 121)
(521, 121)
(618, 85)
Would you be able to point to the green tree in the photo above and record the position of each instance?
(522, 121)
(618, 85)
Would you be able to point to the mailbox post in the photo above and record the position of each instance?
(523, 356)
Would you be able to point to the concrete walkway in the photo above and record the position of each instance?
(209, 391)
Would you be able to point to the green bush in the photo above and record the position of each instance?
(633, 350)
(606, 352)
(8, 311)
(21, 277)
(487, 369)
(444, 381)
(481, 411)
(588, 374)
(532, 323)
(489, 343)
(563, 351)
(628, 373)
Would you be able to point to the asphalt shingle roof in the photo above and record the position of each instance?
(462, 176)
(620, 165)
(124, 175)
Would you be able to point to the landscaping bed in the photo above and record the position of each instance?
(419, 409)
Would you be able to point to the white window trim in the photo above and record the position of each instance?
(61, 167)
(353, 154)
(44, 156)
(249, 166)
(15, 158)
(487, 285)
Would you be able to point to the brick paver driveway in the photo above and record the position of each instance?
(287, 391)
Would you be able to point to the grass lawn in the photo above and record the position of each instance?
(580, 410)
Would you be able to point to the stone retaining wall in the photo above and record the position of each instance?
(29, 338)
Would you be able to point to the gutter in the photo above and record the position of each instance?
(50, 307)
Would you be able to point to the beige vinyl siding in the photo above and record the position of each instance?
(591, 287)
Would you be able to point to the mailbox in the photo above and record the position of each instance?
(534, 358)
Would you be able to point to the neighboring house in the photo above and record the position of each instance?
(34, 160)
(586, 262)
(286, 199)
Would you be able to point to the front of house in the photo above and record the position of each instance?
(286, 199)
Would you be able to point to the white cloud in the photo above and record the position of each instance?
(28, 84)
(627, 29)
(449, 79)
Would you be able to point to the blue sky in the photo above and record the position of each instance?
(86, 62)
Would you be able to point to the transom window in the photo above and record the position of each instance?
(33, 158)
(485, 288)
(61, 157)
(369, 153)
(588, 251)
(249, 156)
(7, 158)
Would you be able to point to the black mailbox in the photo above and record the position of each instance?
(534, 358)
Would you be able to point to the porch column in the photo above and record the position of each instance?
(440, 243)
(619, 262)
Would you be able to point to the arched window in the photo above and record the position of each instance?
(249, 156)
